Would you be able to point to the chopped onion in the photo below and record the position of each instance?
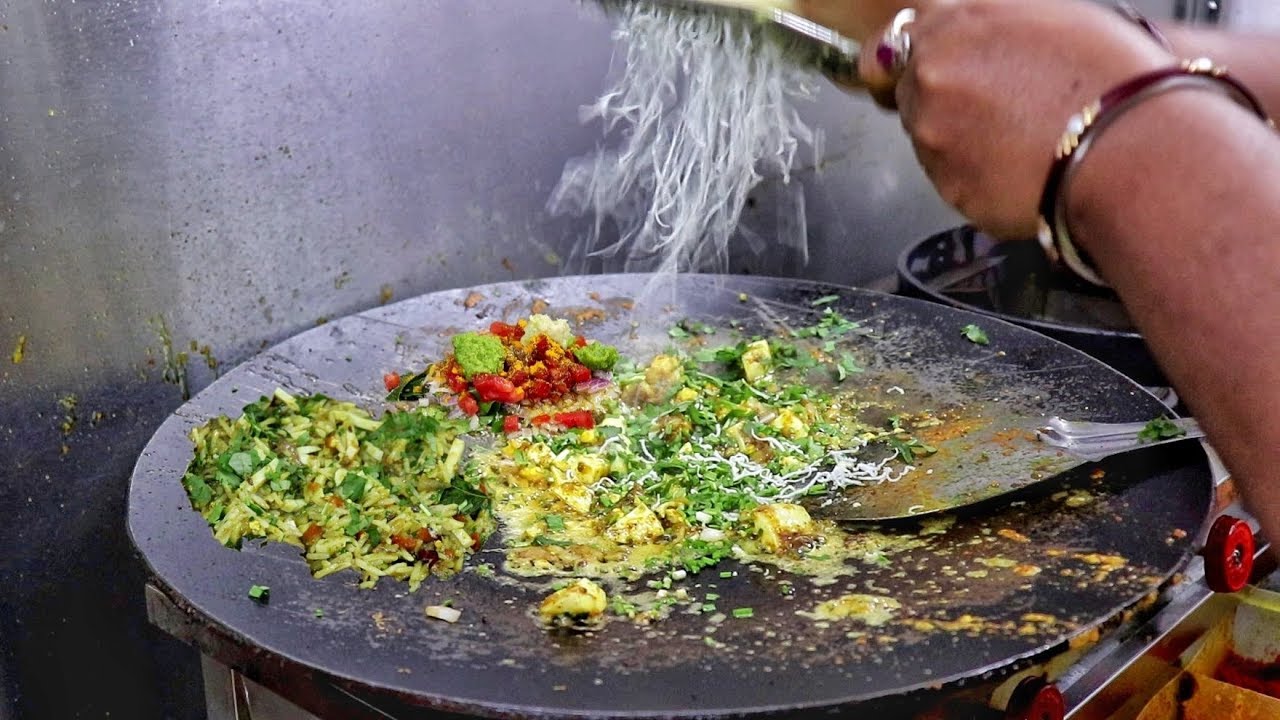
(594, 385)
(711, 535)
(443, 612)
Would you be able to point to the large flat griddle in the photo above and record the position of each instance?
(962, 617)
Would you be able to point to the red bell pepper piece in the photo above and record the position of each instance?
(510, 423)
(576, 419)
(468, 404)
(505, 331)
(496, 388)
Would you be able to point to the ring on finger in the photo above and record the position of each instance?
(894, 51)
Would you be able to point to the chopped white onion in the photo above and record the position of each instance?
(443, 612)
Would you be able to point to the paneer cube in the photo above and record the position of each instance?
(790, 425)
(757, 361)
(640, 525)
(784, 527)
(660, 378)
(581, 601)
(576, 495)
(589, 469)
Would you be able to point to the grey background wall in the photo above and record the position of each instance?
(185, 183)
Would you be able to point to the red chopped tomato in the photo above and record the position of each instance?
(468, 404)
(336, 501)
(510, 423)
(457, 383)
(579, 373)
(312, 534)
(580, 341)
(538, 390)
(404, 542)
(496, 388)
(505, 331)
(391, 381)
(518, 378)
(540, 347)
(538, 420)
(576, 419)
(425, 535)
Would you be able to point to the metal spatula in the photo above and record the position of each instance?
(1001, 456)
(833, 53)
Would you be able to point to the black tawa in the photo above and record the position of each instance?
(981, 595)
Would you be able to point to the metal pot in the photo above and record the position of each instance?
(1014, 281)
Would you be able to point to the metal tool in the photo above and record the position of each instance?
(1006, 454)
(1095, 441)
(835, 54)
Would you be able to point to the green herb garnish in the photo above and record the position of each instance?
(1161, 428)
(975, 334)
(743, 612)
(261, 593)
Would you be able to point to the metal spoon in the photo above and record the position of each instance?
(1006, 455)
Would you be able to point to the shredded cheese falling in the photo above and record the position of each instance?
(703, 107)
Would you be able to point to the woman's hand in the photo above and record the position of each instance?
(988, 88)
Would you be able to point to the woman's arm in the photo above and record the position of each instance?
(1179, 202)
(1252, 57)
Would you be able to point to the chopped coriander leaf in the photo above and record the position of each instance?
(261, 593)
(848, 364)
(975, 334)
(743, 612)
(708, 607)
(694, 327)
(1161, 428)
(554, 522)
(825, 300)
(712, 596)
(318, 613)
(353, 487)
(678, 332)
(241, 463)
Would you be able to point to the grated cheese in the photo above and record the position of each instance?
(703, 106)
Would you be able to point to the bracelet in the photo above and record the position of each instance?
(1084, 127)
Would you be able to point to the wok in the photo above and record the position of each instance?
(981, 594)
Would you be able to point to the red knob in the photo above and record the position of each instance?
(1036, 699)
(1228, 555)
